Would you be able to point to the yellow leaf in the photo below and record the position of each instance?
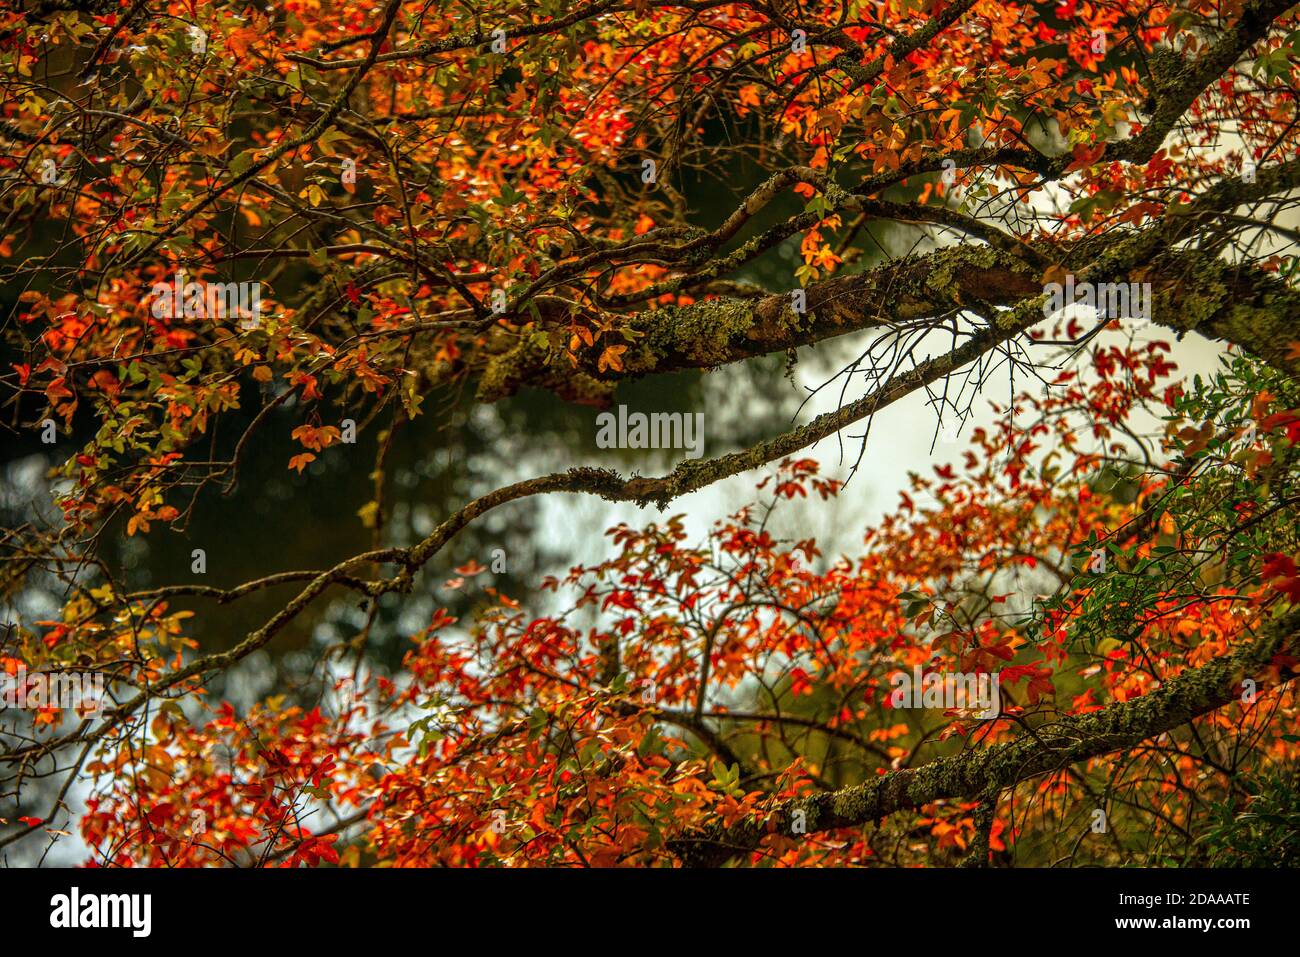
(368, 514)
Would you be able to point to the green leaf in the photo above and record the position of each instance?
(242, 162)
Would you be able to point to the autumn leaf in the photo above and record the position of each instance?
(611, 358)
(299, 462)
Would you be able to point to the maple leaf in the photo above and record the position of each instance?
(301, 461)
(611, 358)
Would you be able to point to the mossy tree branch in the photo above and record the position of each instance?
(986, 772)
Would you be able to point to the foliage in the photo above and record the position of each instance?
(685, 684)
